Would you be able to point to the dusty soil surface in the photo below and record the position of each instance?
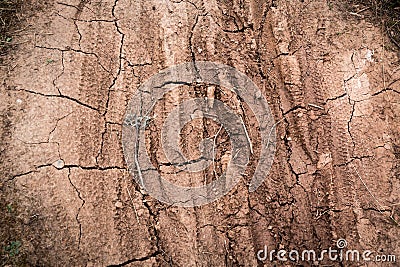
(332, 81)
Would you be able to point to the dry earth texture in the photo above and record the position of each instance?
(331, 78)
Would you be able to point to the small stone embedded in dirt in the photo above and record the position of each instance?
(118, 204)
(59, 164)
(387, 146)
(19, 101)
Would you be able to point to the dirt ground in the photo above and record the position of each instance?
(332, 81)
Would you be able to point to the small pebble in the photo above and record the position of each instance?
(118, 204)
(59, 164)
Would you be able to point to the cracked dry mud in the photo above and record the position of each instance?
(333, 90)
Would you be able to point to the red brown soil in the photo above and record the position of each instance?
(332, 80)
